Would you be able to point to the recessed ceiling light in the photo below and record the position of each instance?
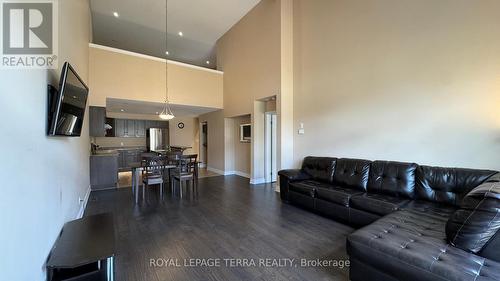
(116, 14)
(122, 110)
(181, 34)
(208, 62)
(167, 53)
(156, 112)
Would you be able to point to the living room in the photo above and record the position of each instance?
(333, 140)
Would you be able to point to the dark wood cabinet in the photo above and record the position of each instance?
(119, 127)
(124, 128)
(130, 128)
(97, 119)
(163, 124)
(104, 171)
(151, 124)
(140, 128)
(128, 156)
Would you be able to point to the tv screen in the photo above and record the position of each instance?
(69, 104)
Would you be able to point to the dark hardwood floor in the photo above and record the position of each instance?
(227, 219)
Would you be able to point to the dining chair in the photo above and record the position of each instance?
(183, 174)
(192, 164)
(152, 173)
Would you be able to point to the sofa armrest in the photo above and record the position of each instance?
(494, 178)
(474, 227)
(293, 175)
(288, 176)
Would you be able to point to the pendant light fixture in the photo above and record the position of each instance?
(166, 114)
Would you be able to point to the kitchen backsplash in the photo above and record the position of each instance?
(117, 142)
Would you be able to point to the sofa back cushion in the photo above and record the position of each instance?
(477, 221)
(319, 168)
(447, 185)
(392, 178)
(352, 173)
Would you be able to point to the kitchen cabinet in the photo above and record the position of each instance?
(124, 128)
(131, 157)
(104, 171)
(119, 127)
(130, 128)
(140, 128)
(156, 124)
(97, 119)
(151, 124)
(128, 156)
(122, 163)
(163, 124)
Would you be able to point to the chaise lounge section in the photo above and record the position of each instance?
(416, 222)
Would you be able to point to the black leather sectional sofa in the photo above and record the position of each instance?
(417, 222)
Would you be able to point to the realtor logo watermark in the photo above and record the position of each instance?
(29, 34)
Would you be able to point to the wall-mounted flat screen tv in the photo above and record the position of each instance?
(67, 106)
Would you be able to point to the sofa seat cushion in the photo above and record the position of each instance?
(406, 241)
(305, 187)
(337, 194)
(377, 203)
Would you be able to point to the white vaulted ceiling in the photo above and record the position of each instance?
(140, 26)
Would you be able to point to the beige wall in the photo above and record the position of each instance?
(256, 56)
(241, 152)
(249, 55)
(114, 74)
(285, 100)
(216, 140)
(45, 176)
(271, 106)
(188, 136)
(400, 80)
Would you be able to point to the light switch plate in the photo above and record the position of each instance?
(301, 131)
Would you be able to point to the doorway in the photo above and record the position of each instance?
(270, 147)
(203, 145)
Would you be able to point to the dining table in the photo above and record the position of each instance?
(137, 169)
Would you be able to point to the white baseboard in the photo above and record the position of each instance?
(220, 172)
(241, 174)
(84, 204)
(258, 181)
(202, 165)
(228, 173)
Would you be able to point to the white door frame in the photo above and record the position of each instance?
(270, 147)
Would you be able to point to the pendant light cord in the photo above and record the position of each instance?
(166, 47)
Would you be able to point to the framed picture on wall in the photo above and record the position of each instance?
(245, 132)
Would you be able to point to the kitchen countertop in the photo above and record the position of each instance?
(110, 154)
(123, 148)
